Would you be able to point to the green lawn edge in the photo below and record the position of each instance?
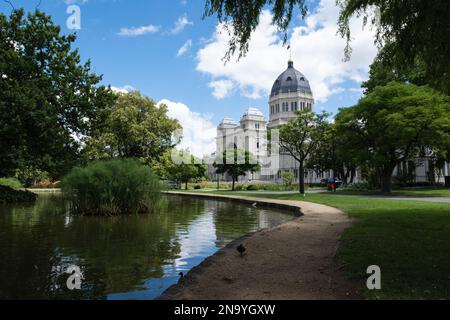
(408, 240)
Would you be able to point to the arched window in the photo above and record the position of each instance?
(289, 79)
(302, 79)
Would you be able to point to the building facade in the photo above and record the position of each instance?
(290, 92)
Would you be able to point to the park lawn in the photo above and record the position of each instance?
(406, 192)
(409, 240)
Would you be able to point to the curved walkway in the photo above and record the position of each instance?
(291, 261)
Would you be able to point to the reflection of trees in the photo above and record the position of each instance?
(233, 222)
(115, 254)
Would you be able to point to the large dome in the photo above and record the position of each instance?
(291, 80)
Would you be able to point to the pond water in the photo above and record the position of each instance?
(126, 257)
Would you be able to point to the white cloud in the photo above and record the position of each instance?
(317, 51)
(124, 89)
(185, 48)
(138, 31)
(221, 88)
(199, 133)
(70, 2)
(180, 24)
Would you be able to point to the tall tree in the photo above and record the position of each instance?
(185, 167)
(301, 137)
(395, 123)
(236, 163)
(332, 154)
(415, 31)
(47, 97)
(134, 127)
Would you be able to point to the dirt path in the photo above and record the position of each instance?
(291, 261)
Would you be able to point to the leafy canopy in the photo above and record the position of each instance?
(47, 97)
(301, 136)
(395, 123)
(186, 167)
(411, 32)
(242, 17)
(236, 163)
(135, 127)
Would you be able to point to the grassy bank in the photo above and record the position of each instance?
(409, 240)
(406, 192)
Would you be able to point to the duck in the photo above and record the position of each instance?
(241, 249)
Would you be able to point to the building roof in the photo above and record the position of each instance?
(228, 123)
(253, 112)
(291, 80)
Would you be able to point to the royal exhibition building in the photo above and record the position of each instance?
(290, 92)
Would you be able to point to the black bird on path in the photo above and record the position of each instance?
(181, 274)
(241, 249)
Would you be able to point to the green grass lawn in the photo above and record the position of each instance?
(409, 240)
(406, 192)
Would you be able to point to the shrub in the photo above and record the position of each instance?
(253, 187)
(13, 183)
(197, 187)
(9, 195)
(119, 186)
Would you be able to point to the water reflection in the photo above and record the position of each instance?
(129, 257)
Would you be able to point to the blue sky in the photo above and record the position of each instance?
(138, 44)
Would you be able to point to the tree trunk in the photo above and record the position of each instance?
(186, 185)
(234, 179)
(387, 180)
(301, 180)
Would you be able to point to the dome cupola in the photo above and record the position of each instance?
(291, 81)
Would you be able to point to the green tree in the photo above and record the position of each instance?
(47, 97)
(236, 162)
(134, 127)
(242, 18)
(185, 168)
(384, 70)
(301, 137)
(395, 123)
(411, 33)
(332, 154)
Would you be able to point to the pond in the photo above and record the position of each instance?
(126, 257)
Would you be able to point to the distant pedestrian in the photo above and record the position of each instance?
(333, 185)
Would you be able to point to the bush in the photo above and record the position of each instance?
(266, 186)
(13, 183)
(253, 187)
(9, 195)
(197, 187)
(119, 186)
